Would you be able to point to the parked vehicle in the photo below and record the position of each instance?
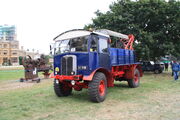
(85, 59)
(153, 67)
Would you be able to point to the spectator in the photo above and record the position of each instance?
(171, 67)
(166, 66)
(175, 69)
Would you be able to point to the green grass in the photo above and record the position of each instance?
(16, 74)
(39, 102)
(6, 75)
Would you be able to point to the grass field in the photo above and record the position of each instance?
(6, 75)
(157, 98)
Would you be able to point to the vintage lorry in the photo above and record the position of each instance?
(89, 59)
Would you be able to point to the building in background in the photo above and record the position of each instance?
(9, 47)
(7, 33)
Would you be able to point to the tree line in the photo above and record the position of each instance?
(154, 23)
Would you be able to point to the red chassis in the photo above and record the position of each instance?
(125, 72)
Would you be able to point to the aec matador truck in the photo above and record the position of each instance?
(89, 59)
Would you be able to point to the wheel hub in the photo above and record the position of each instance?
(136, 78)
(102, 88)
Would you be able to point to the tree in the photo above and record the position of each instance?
(154, 23)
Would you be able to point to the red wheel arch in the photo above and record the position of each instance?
(129, 74)
(110, 79)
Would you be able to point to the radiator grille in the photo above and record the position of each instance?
(69, 65)
(63, 66)
(66, 65)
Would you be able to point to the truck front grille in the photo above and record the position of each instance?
(68, 65)
(63, 66)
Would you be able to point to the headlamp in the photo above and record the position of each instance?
(57, 69)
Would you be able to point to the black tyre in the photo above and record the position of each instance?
(133, 83)
(156, 71)
(97, 88)
(160, 71)
(61, 89)
(21, 80)
(38, 80)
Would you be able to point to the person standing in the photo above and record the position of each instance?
(175, 69)
(171, 68)
(166, 66)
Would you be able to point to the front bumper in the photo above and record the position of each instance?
(71, 77)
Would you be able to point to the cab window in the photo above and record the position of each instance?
(103, 45)
(94, 43)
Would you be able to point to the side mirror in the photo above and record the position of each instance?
(50, 49)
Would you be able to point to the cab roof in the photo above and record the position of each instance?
(76, 33)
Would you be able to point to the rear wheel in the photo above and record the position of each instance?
(160, 71)
(156, 71)
(133, 83)
(61, 89)
(97, 88)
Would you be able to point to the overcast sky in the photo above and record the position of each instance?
(39, 21)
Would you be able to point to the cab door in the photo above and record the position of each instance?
(103, 53)
(93, 52)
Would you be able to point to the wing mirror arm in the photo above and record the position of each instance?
(50, 49)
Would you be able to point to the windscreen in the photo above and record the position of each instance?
(78, 44)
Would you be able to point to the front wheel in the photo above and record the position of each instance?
(133, 83)
(62, 89)
(97, 88)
